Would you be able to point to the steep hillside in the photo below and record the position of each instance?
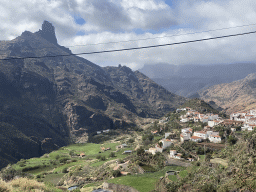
(200, 105)
(49, 102)
(235, 96)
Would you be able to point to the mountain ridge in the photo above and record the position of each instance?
(235, 96)
(187, 80)
(57, 100)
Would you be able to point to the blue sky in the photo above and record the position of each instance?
(83, 22)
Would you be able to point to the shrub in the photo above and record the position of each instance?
(65, 170)
(116, 173)
(9, 173)
(98, 156)
(232, 140)
(57, 157)
(63, 159)
(72, 153)
(131, 140)
(208, 188)
(112, 154)
(102, 158)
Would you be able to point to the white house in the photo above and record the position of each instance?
(196, 119)
(200, 134)
(181, 109)
(252, 120)
(158, 148)
(213, 123)
(167, 134)
(233, 129)
(212, 133)
(196, 139)
(215, 138)
(251, 127)
(253, 112)
(174, 154)
(185, 130)
(185, 136)
(166, 143)
(152, 150)
(184, 120)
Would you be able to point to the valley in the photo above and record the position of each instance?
(67, 124)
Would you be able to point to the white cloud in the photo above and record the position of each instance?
(115, 20)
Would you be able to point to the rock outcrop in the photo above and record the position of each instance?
(48, 32)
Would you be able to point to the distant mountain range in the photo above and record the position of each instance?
(236, 96)
(187, 80)
(49, 102)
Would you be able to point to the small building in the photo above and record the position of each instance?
(154, 132)
(233, 129)
(215, 138)
(185, 137)
(196, 139)
(201, 134)
(213, 123)
(190, 159)
(127, 152)
(166, 143)
(158, 148)
(180, 109)
(185, 130)
(152, 150)
(173, 153)
(98, 132)
(184, 120)
(124, 145)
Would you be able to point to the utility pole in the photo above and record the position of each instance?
(204, 153)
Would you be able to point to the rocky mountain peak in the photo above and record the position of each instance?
(48, 32)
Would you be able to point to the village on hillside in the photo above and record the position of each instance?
(208, 133)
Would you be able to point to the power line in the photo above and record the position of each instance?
(164, 36)
(160, 37)
(134, 48)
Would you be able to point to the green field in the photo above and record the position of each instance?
(145, 182)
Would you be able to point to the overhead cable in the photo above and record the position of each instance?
(133, 48)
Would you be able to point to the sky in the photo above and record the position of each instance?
(96, 24)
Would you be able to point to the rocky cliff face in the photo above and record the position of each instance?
(235, 96)
(56, 100)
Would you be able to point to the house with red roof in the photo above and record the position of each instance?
(196, 139)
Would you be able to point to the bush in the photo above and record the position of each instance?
(72, 153)
(232, 140)
(63, 159)
(65, 170)
(57, 157)
(116, 173)
(112, 154)
(208, 188)
(3, 189)
(102, 158)
(9, 173)
(98, 156)
(131, 140)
